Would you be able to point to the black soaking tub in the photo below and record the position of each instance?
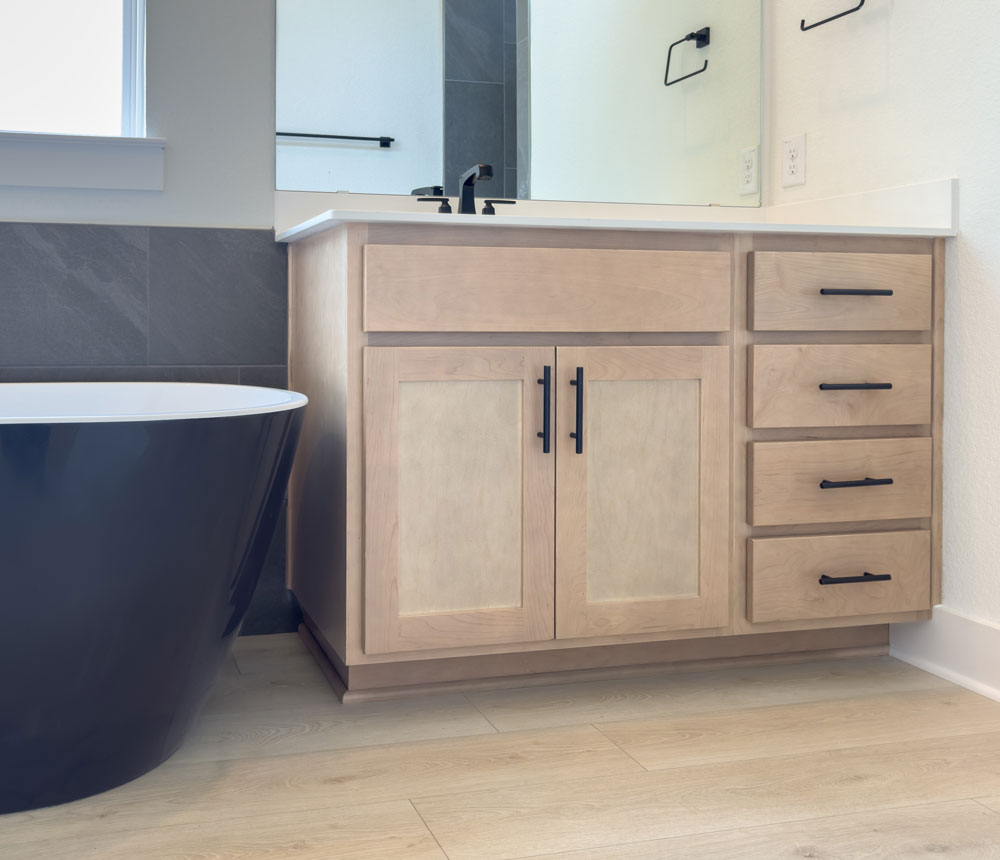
(134, 519)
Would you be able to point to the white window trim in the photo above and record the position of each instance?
(133, 68)
(81, 161)
(132, 162)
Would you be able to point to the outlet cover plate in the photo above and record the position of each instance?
(750, 170)
(793, 161)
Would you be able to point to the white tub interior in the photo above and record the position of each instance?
(73, 402)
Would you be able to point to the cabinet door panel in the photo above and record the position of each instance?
(636, 551)
(642, 514)
(459, 496)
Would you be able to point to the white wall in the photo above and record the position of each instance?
(603, 125)
(905, 91)
(210, 93)
(902, 92)
(369, 68)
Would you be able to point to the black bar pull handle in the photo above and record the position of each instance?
(855, 386)
(867, 482)
(865, 577)
(578, 433)
(830, 291)
(546, 434)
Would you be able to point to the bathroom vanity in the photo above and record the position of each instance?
(537, 449)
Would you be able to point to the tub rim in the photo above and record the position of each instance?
(137, 401)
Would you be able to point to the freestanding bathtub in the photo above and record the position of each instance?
(134, 520)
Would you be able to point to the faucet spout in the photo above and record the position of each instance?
(467, 183)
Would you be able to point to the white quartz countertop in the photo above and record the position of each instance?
(928, 209)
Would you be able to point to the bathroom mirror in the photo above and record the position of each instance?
(565, 99)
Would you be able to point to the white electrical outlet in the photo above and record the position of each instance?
(793, 161)
(749, 170)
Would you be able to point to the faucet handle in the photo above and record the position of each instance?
(489, 210)
(444, 208)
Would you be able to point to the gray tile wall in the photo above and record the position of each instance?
(82, 303)
(522, 98)
(480, 93)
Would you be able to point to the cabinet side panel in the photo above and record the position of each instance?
(741, 436)
(937, 418)
(317, 367)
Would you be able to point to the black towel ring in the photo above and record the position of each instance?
(701, 38)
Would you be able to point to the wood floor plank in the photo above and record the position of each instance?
(956, 830)
(371, 832)
(663, 742)
(191, 793)
(327, 726)
(755, 686)
(277, 768)
(241, 693)
(279, 673)
(273, 654)
(563, 816)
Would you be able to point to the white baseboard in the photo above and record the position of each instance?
(953, 646)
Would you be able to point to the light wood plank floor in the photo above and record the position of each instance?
(842, 760)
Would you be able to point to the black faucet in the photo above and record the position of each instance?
(467, 183)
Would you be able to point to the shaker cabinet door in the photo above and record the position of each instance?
(642, 508)
(459, 495)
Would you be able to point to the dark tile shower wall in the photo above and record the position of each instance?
(83, 303)
(480, 93)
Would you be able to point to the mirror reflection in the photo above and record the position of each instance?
(521, 99)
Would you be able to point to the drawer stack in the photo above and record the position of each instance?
(810, 486)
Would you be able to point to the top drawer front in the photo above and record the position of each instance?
(449, 288)
(787, 291)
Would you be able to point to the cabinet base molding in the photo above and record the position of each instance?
(503, 671)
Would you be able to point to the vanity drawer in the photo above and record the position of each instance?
(449, 288)
(804, 291)
(785, 385)
(784, 575)
(828, 482)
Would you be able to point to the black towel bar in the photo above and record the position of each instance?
(383, 141)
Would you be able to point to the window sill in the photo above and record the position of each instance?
(76, 161)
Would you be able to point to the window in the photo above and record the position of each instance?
(73, 67)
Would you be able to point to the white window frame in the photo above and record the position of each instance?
(133, 68)
(130, 162)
